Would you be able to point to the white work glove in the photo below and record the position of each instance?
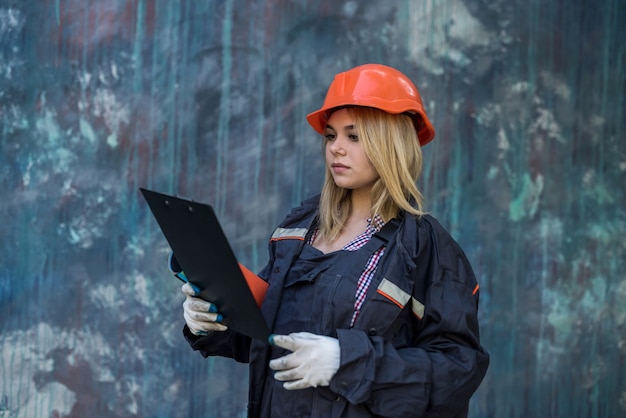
(314, 361)
(201, 316)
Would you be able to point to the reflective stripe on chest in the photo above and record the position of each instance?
(398, 296)
(289, 233)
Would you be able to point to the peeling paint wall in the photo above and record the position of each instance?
(207, 99)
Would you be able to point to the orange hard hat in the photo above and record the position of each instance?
(377, 86)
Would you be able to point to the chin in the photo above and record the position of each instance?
(343, 184)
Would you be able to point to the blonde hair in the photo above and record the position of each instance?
(391, 144)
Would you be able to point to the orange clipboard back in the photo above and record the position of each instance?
(257, 285)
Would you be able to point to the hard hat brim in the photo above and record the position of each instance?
(425, 131)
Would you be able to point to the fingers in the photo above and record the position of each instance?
(296, 384)
(203, 327)
(293, 341)
(291, 372)
(201, 316)
(190, 290)
(288, 376)
(200, 305)
(287, 362)
(313, 361)
(199, 311)
(201, 323)
(284, 341)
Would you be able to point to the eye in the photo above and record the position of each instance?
(353, 137)
(330, 137)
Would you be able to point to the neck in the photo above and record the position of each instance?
(361, 204)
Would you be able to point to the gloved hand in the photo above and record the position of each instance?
(201, 316)
(314, 361)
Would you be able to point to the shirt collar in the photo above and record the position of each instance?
(376, 223)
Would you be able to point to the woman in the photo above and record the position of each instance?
(372, 305)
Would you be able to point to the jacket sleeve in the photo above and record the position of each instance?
(438, 370)
(220, 343)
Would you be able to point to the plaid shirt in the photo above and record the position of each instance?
(373, 226)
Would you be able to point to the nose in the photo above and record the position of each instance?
(336, 146)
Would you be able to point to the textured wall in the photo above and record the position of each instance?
(207, 99)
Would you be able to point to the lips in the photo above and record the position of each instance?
(338, 167)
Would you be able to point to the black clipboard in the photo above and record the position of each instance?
(202, 250)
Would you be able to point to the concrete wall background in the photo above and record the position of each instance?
(207, 99)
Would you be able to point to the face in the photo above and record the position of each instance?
(345, 157)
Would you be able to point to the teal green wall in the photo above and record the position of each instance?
(207, 99)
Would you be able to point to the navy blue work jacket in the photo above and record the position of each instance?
(414, 350)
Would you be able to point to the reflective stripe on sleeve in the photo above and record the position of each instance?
(289, 233)
(476, 289)
(392, 292)
(417, 307)
(398, 296)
